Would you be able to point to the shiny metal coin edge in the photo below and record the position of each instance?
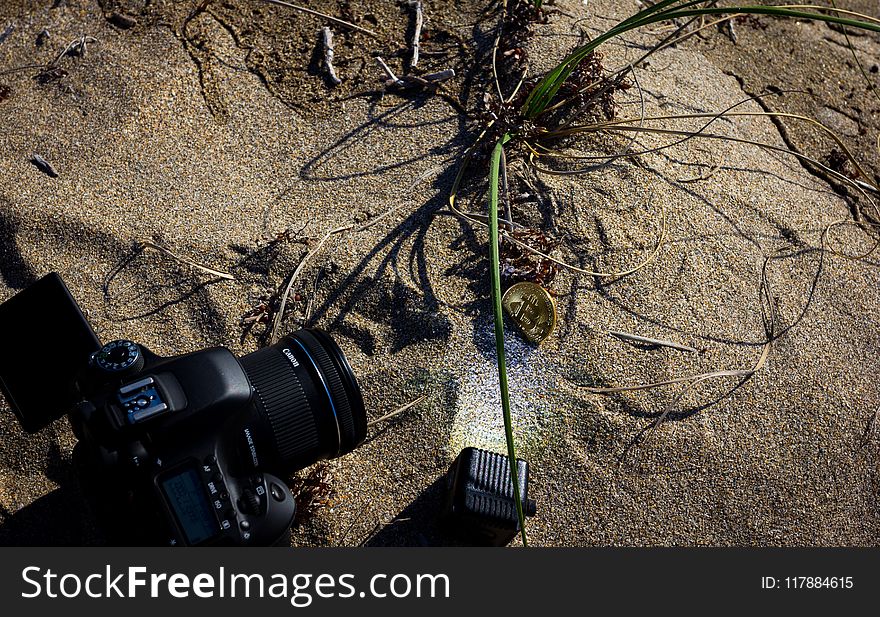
(553, 317)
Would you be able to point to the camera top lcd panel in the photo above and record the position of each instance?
(45, 344)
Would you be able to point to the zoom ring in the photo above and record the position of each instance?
(337, 391)
(280, 397)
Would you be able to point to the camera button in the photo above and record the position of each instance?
(244, 525)
(277, 492)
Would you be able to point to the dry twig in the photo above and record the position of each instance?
(650, 341)
(397, 411)
(189, 262)
(412, 81)
(327, 37)
(688, 383)
(335, 20)
(417, 31)
(76, 47)
(279, 315)
(302, 264)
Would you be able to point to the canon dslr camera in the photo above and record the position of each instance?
(187, 450)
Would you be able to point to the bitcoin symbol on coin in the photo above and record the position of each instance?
(532, 309)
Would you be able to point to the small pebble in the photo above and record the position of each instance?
(44, 165)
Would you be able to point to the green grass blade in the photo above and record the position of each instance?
(544, 92)
(546, 89)
(660, 6)
(774, 11)
(495, 272)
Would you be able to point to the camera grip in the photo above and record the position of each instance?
(278, 509)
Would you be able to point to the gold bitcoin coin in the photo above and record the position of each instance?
(532, 309)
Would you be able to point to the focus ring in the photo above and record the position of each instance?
(281, 399)
(337, 390)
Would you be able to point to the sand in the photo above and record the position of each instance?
(213, 141)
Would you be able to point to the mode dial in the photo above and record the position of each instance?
(119, 358)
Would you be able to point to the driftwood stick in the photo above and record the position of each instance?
(439, 76)
(327, 36)
(413, 81)
(392, 78)
(417, 31)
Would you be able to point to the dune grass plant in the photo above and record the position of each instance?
(540, 114)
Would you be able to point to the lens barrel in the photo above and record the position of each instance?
(307, 402)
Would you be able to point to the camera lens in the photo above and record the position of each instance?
(307, 402)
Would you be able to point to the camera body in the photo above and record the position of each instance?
(174, 436)
(184, 450)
